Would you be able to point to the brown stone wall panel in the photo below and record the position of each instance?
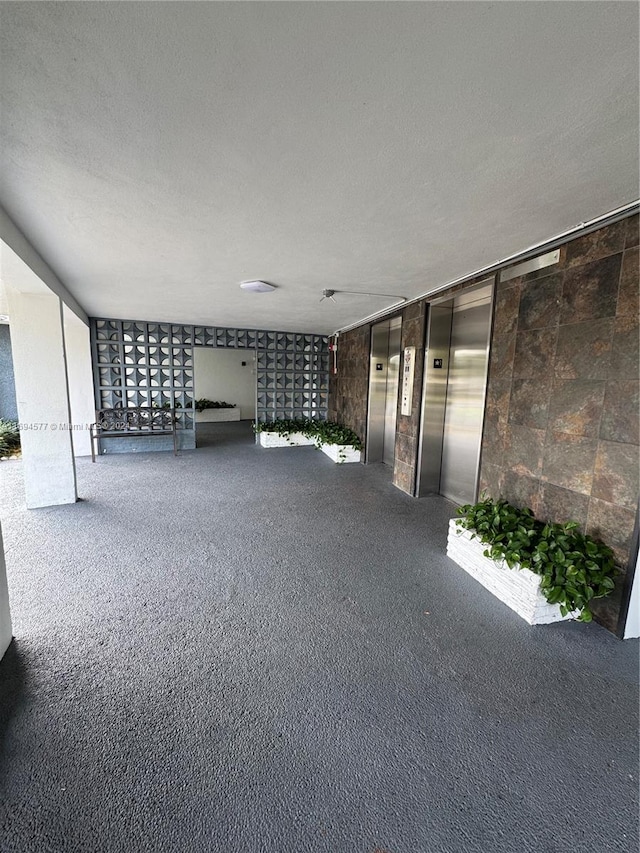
(561, 505)
(535, 353)
(616, 477)
(613, 525)
(584, 350)
(524, 450)
(620, 421)
(404, 477)
(405, 449)
(576, 406)
(633, 231)
(497, 399)
(501, 356)
(529, 403)
(507, 305)
(522, 491)
(629, 292)
(540, 303)
(491, 480)
(569, 461)
(625, 356)
(494, 442)
(591, 291)
(599, 244)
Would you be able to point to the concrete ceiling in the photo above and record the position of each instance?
(157, 154)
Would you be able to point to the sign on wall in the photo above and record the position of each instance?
(408, 366)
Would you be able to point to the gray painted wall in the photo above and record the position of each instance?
(8, 406)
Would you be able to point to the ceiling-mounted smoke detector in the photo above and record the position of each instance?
(257, 286)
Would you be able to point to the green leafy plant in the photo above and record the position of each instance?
(323, 432)
(574, 568)
(9, 437)
(203, 404)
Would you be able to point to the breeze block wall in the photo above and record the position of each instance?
(137, 363)
(561, 421)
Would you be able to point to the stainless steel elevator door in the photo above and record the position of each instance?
(384, 378)
(468, 355)
(391, 402)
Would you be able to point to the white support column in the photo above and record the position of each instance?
(80, 377)
(39, 361)
(6, 630)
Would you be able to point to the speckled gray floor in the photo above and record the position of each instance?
(257, 650)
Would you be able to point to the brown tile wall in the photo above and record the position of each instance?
(408, 426)
(349, 388)
(562, 414)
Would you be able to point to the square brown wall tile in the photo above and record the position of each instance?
(490, 482)
(599, 244)
(529, 403)
(493, 441)
(540, 303)
(405, 448)
(625, 356)
(535, 354)
(591, 291)
(633, 231)
(616, 477)
(501, 356)
(521, 491)
(629, 291)
(403, 477)
(506, 311)
(569, 461)
(620, 421)
(584, 350)
(612, 525)
(562, 505)
(524, 450)
(497, 400)
(576, 406)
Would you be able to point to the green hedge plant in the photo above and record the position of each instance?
(203, 404)
(322, 432)
(574, 568)
(9, 437)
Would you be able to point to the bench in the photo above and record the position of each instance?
(129, 423)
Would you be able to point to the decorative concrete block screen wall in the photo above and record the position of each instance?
(151, 364)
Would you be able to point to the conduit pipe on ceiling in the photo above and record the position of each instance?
(538, 249)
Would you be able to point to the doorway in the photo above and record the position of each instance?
(224, 376)
(454, 394)
(384, 376)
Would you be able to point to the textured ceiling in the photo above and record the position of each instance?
(157, 154)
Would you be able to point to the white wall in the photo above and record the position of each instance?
(632, 627)
(5, 615)
(219, 375)
(80, 378)
(42, 395)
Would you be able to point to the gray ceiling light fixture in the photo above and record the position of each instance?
(257, 286)
(329, 294)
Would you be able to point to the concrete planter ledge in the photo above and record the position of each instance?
(338, 453)
(341, 453)
(292, 439)
(518, 588)
(217, 416)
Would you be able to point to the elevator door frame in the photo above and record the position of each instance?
(435, 386)
(382, 408)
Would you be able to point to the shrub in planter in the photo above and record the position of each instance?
(342, 441)
(573, 568)
(203, 404)
(9, 437)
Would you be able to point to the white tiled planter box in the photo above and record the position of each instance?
(273, 439)
(216, 416)
(518, 588)
(341, 453)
